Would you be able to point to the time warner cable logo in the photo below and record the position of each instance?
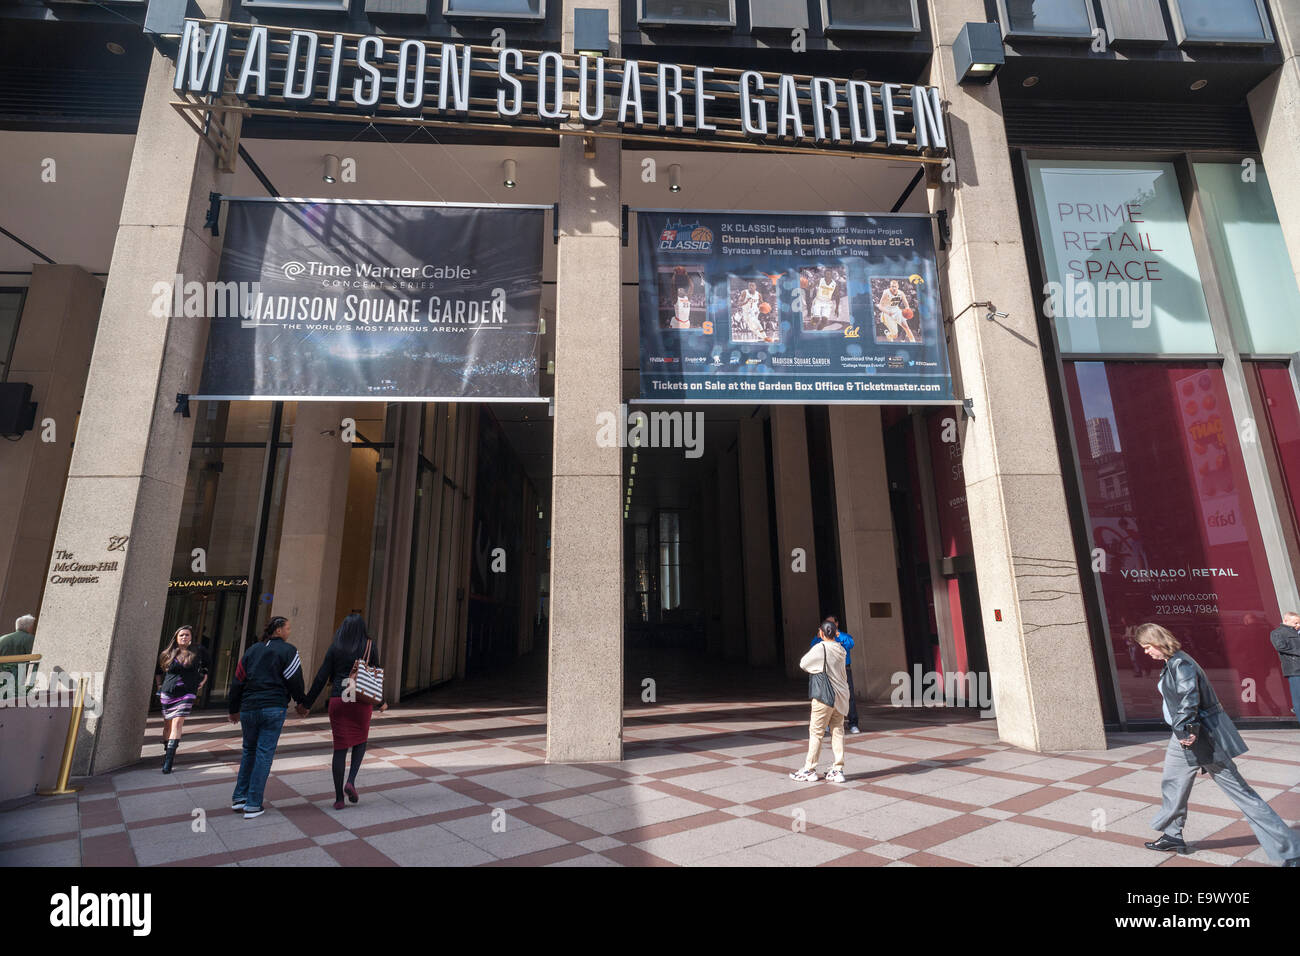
(75, 909)
(293, 269)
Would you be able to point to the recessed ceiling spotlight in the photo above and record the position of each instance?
(1200, 84)
(1029, 81)
(115, 48)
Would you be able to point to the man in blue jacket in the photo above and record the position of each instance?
(846, 641)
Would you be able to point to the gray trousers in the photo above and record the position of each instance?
(1279, 841)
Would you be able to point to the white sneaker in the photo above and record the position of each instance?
(249, 814)
(804, 776)
(237, 807)
(835, 776)
(854, 729)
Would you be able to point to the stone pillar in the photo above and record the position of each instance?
(1040, 656)
(800, 610)
(56, 334)
(585, 676)
(730, 559)
(311, 532)
(868, 565)
(1275, 107)
(756, 544)
(127, 477)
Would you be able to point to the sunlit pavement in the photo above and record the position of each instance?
(458, 778)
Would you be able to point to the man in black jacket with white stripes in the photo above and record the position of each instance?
(268, 676)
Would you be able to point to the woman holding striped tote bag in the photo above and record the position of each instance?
(351, 699)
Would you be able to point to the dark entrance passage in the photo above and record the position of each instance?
(703, 570)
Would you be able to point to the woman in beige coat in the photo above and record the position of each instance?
(827, 656)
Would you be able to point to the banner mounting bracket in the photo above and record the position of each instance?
(214, 213)
(625, 215)
(555, 223)
(968, 408)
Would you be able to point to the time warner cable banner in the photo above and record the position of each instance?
(378, 300)
(789, 307)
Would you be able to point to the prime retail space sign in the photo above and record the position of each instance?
(239, 68)
(377, 301)
(770, 307)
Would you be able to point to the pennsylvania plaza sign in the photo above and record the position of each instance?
(248, 69)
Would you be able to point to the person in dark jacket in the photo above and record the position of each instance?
(1203, 739)
(349, 716)
(1286, 641)
(268, 676)
(182, 672)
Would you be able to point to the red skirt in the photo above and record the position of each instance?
(349, 722)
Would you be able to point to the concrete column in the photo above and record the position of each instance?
(800, 610)
(756, 544)
(585, 677)
(867, 556)
(56, 334)
(127, 478)
(311, 533)
(1275, 108)
(730, 560)
(1040, 656)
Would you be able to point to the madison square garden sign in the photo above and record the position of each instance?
(434, 300)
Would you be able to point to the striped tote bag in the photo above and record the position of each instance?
(367, 680)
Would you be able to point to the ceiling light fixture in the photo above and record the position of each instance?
(509, 171)
(674, 178)
(331, 173)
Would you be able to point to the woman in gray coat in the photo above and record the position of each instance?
(1205, 740)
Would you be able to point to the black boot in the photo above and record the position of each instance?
(1167, 843)
(170, 755)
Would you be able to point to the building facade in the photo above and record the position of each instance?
(1115, 220)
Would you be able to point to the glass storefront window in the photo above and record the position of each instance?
(900, 15)
(693, 12)
(523, 9)
(1118, 257)
(1251, 258)
(1274, 393)
(217, 535)
(1221, 21)
(1174, 529)
(1047, 18)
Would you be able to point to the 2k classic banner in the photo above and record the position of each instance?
(783, 307)
(377, 300)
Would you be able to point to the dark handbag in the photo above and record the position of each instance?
(819, 685)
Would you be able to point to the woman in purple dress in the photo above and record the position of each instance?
(182, 672)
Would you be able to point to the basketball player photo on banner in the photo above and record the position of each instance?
(683, 296)
(753, 309)
(825, 296)
(896, 315)
(790, 307)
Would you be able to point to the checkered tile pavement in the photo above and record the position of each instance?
(459, 779)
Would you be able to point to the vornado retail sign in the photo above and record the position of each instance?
(262, 70)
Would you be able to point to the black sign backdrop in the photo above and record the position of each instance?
(376, 300)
